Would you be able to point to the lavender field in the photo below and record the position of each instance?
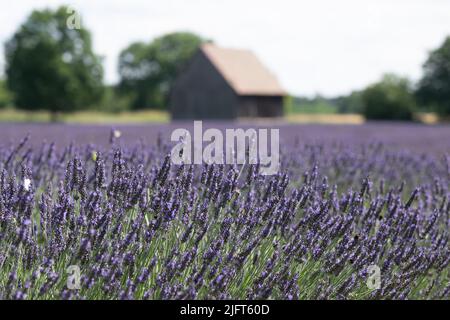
(347, 200)
(401, 136)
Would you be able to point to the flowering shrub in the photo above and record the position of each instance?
(140, 228)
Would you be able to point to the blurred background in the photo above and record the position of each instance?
(340, 62)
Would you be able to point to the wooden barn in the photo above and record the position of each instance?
(221, 83)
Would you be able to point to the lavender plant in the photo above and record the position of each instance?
(139, 227)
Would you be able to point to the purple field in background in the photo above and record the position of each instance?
(413, 137)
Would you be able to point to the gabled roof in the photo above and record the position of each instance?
(243, 71)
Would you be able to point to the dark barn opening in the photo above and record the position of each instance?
(261, 106)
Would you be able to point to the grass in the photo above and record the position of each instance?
(155, 116)
(13, 115)
(427, 117)
(326, 118)
(314, 108)
(321, 116)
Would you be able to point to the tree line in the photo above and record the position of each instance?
(50, 66)
(394, 97)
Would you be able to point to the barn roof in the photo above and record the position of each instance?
(243, 71)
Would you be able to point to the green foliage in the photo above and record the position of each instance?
(288, 104)
(113, 101)
(316, 105)
(389, 99)
(321, 105)
(51, 66)
(434, 87)
(350, 104)
(5, 95)
(147, 71)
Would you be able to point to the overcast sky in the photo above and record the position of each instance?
(322, 46)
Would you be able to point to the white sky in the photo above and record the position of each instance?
(322, 46)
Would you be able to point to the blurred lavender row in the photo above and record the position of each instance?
(414, 137)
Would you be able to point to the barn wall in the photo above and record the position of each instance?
(200, 92)
(248, 107)
(261, 106)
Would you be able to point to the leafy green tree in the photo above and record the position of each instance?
(51, 66)
(389, 99)
(147, 71)
(434, 87)
(5, 95)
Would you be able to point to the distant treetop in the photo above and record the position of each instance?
(434, 87)
(50, 65)
(147, 70)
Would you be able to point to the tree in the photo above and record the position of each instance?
(5, 95)
(389, 99)
(434, 87)
(52, 66)
(351, 103)
(113, 101)
(147, 71)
